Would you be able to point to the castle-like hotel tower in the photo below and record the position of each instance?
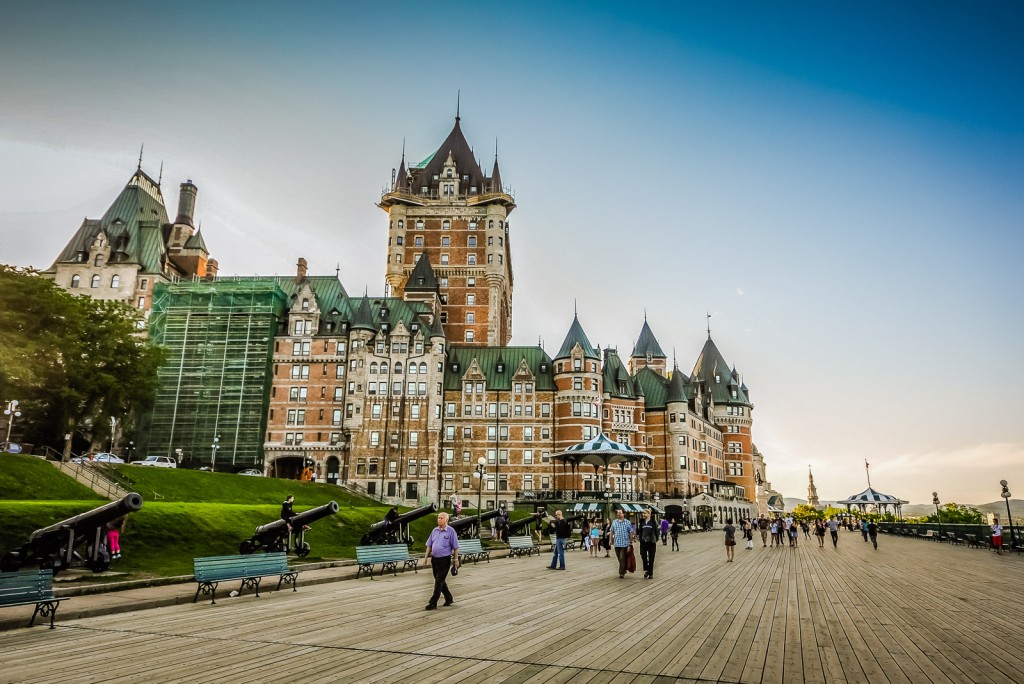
(446, 209)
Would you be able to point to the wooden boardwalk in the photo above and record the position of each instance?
(913, 611)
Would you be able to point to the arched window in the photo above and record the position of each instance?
(449, 174)
(398, 367)
(115, 281)
(412, 369)
(384, 368)
(423, 368)
(305, 304)
(373, 369)
(490, 224)
(98, 261)
(401, 224)
(95, 281)
(75, 280)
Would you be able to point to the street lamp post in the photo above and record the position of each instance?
(213, 453)
(938, 516)
(481, 468)
(1006, 496)
(131, 450)
(178, 453)
(113, 429)
(11, 412)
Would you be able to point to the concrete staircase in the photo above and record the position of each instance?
(93, 476)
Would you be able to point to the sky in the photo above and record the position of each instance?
(838, 185)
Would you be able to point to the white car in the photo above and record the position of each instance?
(251, 472)
(158, 462)
(98, 458)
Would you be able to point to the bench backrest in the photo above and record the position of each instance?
(216, 568)
(520, 542)
(470, 546)
(382, 553)
(16, 587)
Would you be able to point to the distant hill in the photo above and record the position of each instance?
(913, 510)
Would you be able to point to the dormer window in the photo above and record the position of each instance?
(649, 357)
(501, 367)
(98, 261)
(305, 305)
(448, 173)
(718, 379)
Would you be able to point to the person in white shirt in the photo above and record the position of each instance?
(997, 536)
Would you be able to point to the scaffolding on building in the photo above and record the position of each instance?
(211, 406)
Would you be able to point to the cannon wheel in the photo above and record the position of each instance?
(99, 565)
(246, 547)
(302, 550)
(52, 564)
(11, 562)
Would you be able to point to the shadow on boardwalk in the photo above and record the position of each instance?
(913, 611)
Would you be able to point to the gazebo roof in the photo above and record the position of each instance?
(601, 451)
(871, 496)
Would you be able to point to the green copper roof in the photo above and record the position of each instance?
(677, 387)
(196, 242)
(139, 204)
(654, 388)
(647, 344)
(714, 371)
(576, 336)
(487, 359)
(422, 278)
(615, 378)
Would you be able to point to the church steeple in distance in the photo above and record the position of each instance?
(812, 491)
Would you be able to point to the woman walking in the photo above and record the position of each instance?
(819, 532)
(648, 533)
(730, 540)
(675, 529)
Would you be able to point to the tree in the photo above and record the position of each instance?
(72, 361)
(957, 513)
(806, 512)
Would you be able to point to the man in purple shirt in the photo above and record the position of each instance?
(442, 551)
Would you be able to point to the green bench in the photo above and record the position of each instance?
(250, 568)
(388, 555)
(30, 587)
(473, 550)
(520, 546)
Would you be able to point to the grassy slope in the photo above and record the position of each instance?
(188, 514)
(29, 478)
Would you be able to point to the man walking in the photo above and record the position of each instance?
(833, 528)
(442, 552)
(873, 533)
(622, 539)
(563, 530)
(762, 525)
(664, 531)
(648, 532)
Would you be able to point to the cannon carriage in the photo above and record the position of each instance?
(394, 528)
(522, 526)
(282, 535)
(55, 547)
(466, 526)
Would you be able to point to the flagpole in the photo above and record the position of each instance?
(867, 469)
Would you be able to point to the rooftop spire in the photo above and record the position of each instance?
(139, 165)
(709, 324)
(160, 177)
(458, 104)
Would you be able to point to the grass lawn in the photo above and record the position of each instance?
(187, 514)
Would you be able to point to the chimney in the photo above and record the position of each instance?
(186, 203)
(300, 270)
(211, 269)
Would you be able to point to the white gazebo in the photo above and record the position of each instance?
(881, 502)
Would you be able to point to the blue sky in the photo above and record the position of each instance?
(838, 186)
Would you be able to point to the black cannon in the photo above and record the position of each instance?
(280, 536)
(394, 528)
(466, 527)
(54, 546)
(519, 527)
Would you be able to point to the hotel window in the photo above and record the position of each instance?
(338, 393)
(414, 412)
(446, 225)
(144, 284)
(449, 409)
(577, 408)
(449, 457)
(545, 433)
(75, 280)
(545, 410)
(528, 483)
(419, 240)
(336, 417)
(467, 432)
(735, 469)
(469, 336)
(449, 432)
(577, 383)
(374, 438)
(414, 439)
(115, 281)
(375, 411)
(470, 282)
(471, 317)
(472, 241)
(472, 224)
(471, 259)
(419, 225)
(445, 241)
(465, 456)
(545, 482)
(95, 280)
(465, 481)
(527, 434)
(527, 456)
(444, 259)
(470, 300)
(142, 302)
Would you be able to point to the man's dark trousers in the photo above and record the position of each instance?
(440, 567)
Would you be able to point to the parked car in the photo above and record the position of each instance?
(251, 472)
(98, 458)
(158, 462)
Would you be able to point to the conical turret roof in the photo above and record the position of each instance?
(362, 319)
(422, 278)
(495, 177)
(714, 371)
(647, 344)
(461, 153)
(576, 336)
(676, 387)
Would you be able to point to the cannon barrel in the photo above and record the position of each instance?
(467, 524)
(90, 519)
(276, 535)
(304, 518)
(518, 525)
(54, 546)
(394, 528)
(415, 514)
